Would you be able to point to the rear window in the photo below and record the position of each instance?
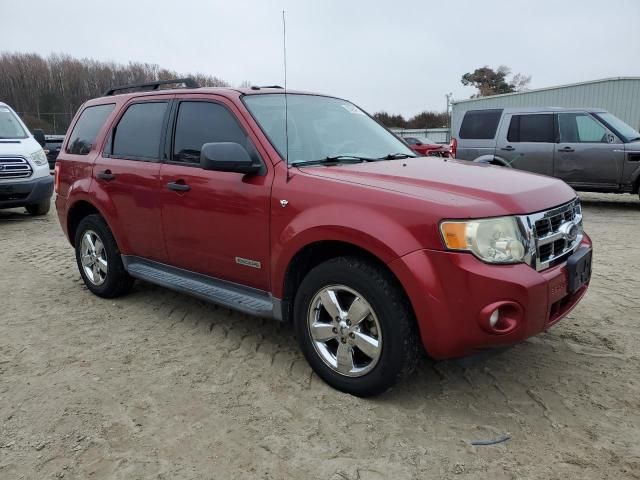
(137, 135)
(531, 128)
(84, 134)
(480, 124)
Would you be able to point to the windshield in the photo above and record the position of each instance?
(321, 128)
(622, 129)
(9, 125)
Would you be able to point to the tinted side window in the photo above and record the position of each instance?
(480, 124)
(137, 135)
(531, 128)
(580, 128)
(84, 134)
(203, 122)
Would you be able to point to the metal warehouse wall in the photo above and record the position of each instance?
(620, 96)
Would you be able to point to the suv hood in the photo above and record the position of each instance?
(18, 146)
(463, 189)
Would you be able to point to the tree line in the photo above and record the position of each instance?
(424, 119)
(48, 91)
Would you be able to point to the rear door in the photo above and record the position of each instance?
(126, 176)
(588, 155)
(526, 142)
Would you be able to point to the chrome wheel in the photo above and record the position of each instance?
(344, 330)
(93, 257)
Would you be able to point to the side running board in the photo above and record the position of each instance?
(231, 295)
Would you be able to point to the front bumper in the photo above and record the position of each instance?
(450, 293)
(19, 194)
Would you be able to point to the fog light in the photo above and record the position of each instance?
(493, 319)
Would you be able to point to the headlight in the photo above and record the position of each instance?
(38, 157)
(493, 240)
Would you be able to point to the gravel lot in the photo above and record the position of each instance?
(159, 385)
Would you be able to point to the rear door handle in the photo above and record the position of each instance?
(508, 148)
(178, 187)
(105, 175)
(566, 149)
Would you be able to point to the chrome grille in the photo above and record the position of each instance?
(551, 233)
(14, 167)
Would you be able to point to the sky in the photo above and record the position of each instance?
(398, 57)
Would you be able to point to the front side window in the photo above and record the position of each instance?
(86, 130)
(321, 127)
(9, 125)
(580, 128)
(624, 131)
(204, 122)
(137, 135)
(536, 128)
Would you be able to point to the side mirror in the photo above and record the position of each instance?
(227, 157)
(38, 134)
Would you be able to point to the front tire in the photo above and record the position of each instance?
(99, 260)
(355, 326)
(39, 209)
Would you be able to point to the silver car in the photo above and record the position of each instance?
(590, 149)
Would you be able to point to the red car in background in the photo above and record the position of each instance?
(428, 148)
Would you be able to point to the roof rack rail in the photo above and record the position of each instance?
(258, 87)
(188, 83)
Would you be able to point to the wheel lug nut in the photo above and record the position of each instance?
(352, 335)
(348, 322)
(334, 330)
(343, 340)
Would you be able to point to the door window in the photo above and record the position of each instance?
(205, 122)
(137, 135)
(480, 124)
(531, 128)
(580, 128)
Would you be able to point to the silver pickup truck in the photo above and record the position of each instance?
(590, 149)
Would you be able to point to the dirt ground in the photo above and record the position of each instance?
(159, 385)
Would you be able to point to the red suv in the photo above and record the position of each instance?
(302, 208)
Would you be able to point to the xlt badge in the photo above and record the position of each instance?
(248, 263)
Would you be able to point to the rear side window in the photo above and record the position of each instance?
(531, 128)
(480, 124)
(137, 135)
(204, 122)
(84, 134)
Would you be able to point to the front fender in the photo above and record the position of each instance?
(367, 229)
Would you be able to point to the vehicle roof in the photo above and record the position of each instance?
(223, 91)
(540, 109)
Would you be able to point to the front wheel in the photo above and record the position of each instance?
(355, 326)
(39, 209)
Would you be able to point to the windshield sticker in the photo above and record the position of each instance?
(352, 109)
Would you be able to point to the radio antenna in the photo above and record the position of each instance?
(286, 105)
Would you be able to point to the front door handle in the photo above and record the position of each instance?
(178, 186)
(566, 149)
(105, 175)
(508, 148)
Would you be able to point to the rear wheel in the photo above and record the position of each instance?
(99, 260)
(355, 326)
(39, 209)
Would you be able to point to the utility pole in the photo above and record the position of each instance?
(448, 96)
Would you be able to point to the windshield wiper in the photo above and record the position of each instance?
(396, 156)
(334, 160)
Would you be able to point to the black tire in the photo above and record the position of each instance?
(39, 209)
(400, 347)
(116, 281)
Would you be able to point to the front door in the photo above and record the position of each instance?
(127, 178)
(526, 142)
(215, 223)
(588, 155)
